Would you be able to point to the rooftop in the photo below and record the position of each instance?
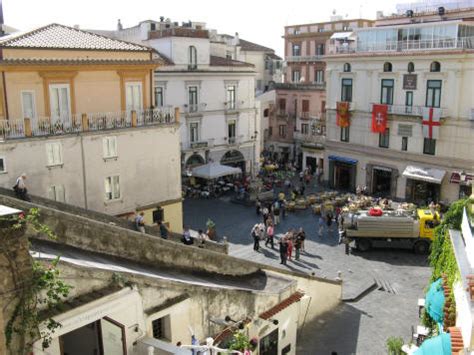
(55, 36)
(226, 62)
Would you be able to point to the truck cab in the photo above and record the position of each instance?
(428, 222)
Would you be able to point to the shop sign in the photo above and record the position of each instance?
(409, 81)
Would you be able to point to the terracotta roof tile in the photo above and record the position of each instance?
(457, 343)
(55, 36)
(250, 46)
(78, 61)
(226, 62)
(296, 297)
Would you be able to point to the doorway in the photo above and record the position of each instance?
(312, 164)
(342, 176)
(269, 344)
(381, 182)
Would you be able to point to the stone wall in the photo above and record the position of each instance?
(105, 218)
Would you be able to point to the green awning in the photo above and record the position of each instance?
(438, 345)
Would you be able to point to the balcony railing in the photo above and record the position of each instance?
(309, 138)
(85, 122)
(403, 110)
(409, 45)
(305, 115)
(195, 108)
(199, 144)
(230, 105)
(300, 86)
(282, 114)
(305, 58)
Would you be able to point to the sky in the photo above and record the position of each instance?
(259, 21)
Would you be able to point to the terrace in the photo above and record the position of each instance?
(86, 122)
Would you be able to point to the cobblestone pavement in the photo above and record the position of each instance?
(360, 327)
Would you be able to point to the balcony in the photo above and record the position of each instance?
(300, 86)
(282, 114)
(199, 144)
(317, 140)
(231, 106)
(403, 110)
(192, 109)
(304, 115)
(416, 45)
(306, 58)
(85, 122)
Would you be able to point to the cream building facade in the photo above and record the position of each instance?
(430, 65)
(76, 119)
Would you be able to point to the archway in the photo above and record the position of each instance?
(234, 158)
(194, 160)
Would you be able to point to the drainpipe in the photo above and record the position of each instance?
(5, 94)
(84, 181)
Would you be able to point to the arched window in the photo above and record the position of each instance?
(435, 67)
(192, 60)
(387, 67)
(347, 67)
(265, 112)
(411, 67)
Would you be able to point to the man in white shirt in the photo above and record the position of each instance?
(20, 188)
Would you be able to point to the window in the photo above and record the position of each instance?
(386, 96)
(347, 68)
(296, 76)
(230, 95)
(384, 139)
(319, 76)
(159, 97)
(28, 104)
(429, 146)
(305, 108)
(270, 131)
(346, 90)
(282, 131)
(296, 50)
(435, 67)
(282, 104)
(56, 193)
(387, 67)
(433, 93)
(192, 58)
(409, 102)
(193, 98)
(60, 103)
(110, 147)
(228, 54)
(231, 131)
(162, 328)
(320, 49)
(112, 187)
(133, 96)
(265, 112)
(194, 132)
(3, 166)
(404, 144)
(411, 67)
(158, 215)
(344, 134)
(304, 128)
(54, 154)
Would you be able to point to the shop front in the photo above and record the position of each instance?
(381, 180)
(313, 157)
(342, 173)
(235, 159)
(423, 184)
(464, 181)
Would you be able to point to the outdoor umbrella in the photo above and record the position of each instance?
(434, 301)
(438, 345)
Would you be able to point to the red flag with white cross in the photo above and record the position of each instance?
(431, 117)
(379, 118)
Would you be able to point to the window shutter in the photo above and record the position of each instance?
(113, 146)
(60, 195)
(116, 187)
(50, 154)
(52, 193)
(105, 147)
(57, 153)
(108, 188)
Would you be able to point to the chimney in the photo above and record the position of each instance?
(119, 25)
(236, 38)
(76, 27)
(379, 15)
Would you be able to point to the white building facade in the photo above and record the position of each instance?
(420, 69)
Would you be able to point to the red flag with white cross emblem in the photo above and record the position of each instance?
(379, 118)
(431, 122)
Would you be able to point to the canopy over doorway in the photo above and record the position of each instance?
(214, 170)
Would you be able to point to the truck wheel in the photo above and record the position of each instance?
(421, 247)
(363, 244)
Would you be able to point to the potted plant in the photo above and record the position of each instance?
(394, 345)
(211, 229)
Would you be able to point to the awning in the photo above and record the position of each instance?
(343, 35)
(457, 177)
(438, 345)
(343, 159)
(434, 301)
(424, 174)
(214, 171)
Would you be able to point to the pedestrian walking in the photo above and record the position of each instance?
(163, 230)
(283, 250)
(256, 237)
(283, 208)
(20, 188)
(302, 236)
(258, 206)
(265, 213)
(268, 221)
(140, 222)
(276, 212)
(297, 245)
(321, 226)
(329, 220)
(290, 246)
(301, 176)
(270, 236)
